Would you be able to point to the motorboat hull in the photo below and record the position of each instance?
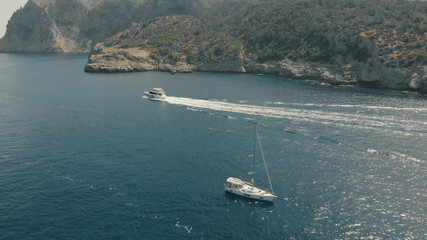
(155, 96)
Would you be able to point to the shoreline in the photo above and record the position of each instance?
(356, 73)
(321, 73)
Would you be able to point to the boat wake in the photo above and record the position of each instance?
(333, 116)
(153, 99)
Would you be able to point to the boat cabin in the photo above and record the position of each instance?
(237, 183)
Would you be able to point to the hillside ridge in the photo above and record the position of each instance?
(336, 44)
(75, 26)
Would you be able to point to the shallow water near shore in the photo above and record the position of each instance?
(86, 156)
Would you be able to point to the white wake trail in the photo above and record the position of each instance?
(408, 109)
(353, 120)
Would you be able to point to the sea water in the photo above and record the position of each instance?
(86, 156)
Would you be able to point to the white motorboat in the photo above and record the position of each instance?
(248, 189)
(156, 93)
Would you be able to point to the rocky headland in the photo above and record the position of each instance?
(380, 44)
(183, 44)
(114, 60)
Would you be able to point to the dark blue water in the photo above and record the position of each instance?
(84, 156)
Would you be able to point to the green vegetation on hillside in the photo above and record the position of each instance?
(324, 31)
(319, 30)
(113, 16)
(178, 38)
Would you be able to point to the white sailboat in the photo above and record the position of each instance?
(248, 189)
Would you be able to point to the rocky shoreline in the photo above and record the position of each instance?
(286, 68)
(373, 74)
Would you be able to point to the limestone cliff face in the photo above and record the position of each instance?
(376, 75)
(46, 28)
(367, 68)
(355, 61)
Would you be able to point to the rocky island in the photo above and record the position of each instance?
(380, 44)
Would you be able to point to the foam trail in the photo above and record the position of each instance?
(412, 109)
(353, 120)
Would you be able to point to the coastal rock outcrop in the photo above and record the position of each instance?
(299, 70)
(113, 60)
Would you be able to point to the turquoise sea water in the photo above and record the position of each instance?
(85, 156)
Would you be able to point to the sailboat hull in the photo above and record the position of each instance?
(248, 190)
(268, 198)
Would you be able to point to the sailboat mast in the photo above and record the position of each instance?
(253, 164)
(265, 164)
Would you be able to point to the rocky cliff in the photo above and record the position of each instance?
(185, 44)
(47, 28)
(74, 26)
